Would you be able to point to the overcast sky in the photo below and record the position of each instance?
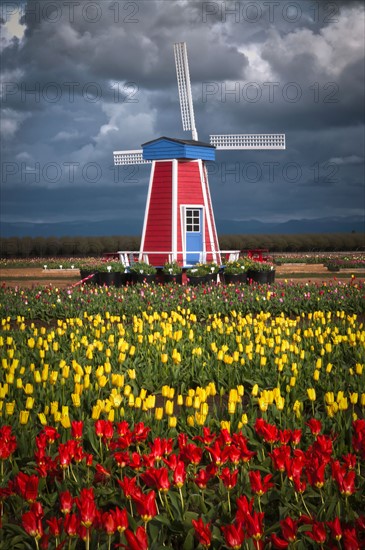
(83, 78)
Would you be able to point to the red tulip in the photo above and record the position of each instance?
(296, 436)
(202, 532)
(202, 478)
(318, 533)
(101, 472)
(335, 528)
(284, 436)
(233, 535)
(140, 432)
(64, 455)
(135, 461)
(280, 457)
(137, 541)
(207, 438)
(279, 542)
(315, 426)
(146, 505)
(109, 523)
(315, 473)
(104, 429)
(27, 486)
(179, 474)
(32, 524)
(7, 442)
(51, 434)
(350, 539)
(66, 501)
(244, 508)
(77, 427)
(122, 458)
(358, 437)
(347, 483)
(54, 526)
(229, 478)
(129, 486)
(157, 477)
(289, 528)
(216, 454)
(241, 442)
(254, 524)
(71, 525)
(121, 519)
(268, 432)
(259, 485)
(224, 438)
(123, 428)
(87, 507)
(191, 453)
(350, 461)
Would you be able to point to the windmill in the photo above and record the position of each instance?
(179, 221)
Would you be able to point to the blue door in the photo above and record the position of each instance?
(194, 234)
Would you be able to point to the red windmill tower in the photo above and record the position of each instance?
(179, 221)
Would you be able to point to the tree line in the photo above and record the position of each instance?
(29, 247)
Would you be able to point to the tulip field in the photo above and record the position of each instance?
(170, 417)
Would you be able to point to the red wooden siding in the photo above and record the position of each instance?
(158, 228)
(209, 248)
(189, 192)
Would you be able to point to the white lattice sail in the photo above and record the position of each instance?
(184, 87)
(122, 158)
(248, 141)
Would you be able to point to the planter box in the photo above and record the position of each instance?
(231, 278)
(193, 280)
(84, 274)
(144, 278)
(169, 278)
(106, 278)
(262, 277)
(121, 279)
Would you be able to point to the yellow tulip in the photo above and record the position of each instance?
(169, 407)
(172, 421)
(29, 403)
(28, 389)
(65, 421)
(354, 397)
(23, 417)
(42, 419)
(158, 413)
(263, 404)
(311, 392)
(359, 368)
(190, 421)
(9, 408)
(76, 400)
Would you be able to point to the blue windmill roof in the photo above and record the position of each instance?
(164, 148)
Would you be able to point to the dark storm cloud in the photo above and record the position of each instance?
(88, 78)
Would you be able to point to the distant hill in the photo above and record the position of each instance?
(291, 227)
(247, 227)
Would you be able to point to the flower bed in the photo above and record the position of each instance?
(177, 417)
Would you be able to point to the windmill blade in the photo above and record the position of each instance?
(248, 141)
(129, 157)
(183, 82)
